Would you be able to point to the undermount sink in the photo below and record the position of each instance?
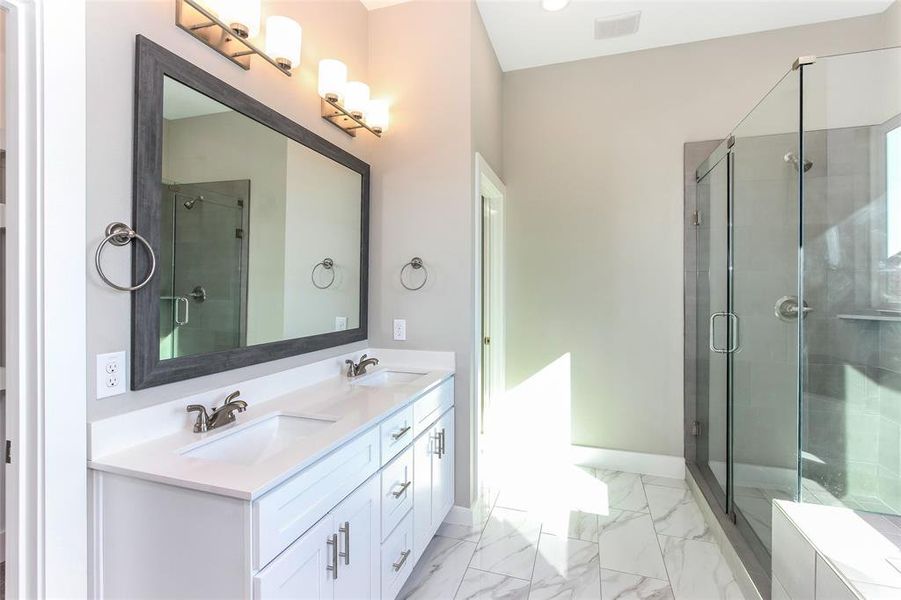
(387, 378)
(260, 441)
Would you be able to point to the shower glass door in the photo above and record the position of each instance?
(203, 267)
(764, 298)
(712, 330)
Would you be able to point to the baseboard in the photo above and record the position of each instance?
(459, 515)
(661, 465)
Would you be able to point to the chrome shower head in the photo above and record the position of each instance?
(792, 159)
(189, 204)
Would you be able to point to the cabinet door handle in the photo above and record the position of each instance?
(441, 443)
(403, 488)
(400, 562)
(345, 529)
(332, 541)
(400, 434)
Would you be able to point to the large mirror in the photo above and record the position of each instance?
(259, 228)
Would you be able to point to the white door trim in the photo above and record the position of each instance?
(45, 275)
(487, 183)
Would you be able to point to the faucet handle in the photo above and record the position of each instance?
(203, 419)
(231, 397)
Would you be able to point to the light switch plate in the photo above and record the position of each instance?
(400, 330)
(340, 323)
(111, 374)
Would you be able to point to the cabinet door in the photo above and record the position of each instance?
(356, 520)
(423, 450)
(301, 571)
(443, 469)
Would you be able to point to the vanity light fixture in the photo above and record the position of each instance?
(356, 98)
(377, 115)
(332, 79)
(227, 27)
(243, 16)
(554, 5)
(346, 104)
(283, 38)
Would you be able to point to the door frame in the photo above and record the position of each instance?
(487, 184)
(46, 483)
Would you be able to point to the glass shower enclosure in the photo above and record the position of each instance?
(793, 301)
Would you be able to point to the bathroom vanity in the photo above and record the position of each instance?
(332, 490)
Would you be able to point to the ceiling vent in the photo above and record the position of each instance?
(616, 26)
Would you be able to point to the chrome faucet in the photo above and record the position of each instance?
(357, 369)
(223, 415)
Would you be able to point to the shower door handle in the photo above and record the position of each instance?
(180, 300)
(733, 325)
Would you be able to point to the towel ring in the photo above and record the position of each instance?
(416, 264)
(120, 234)
(327, 264)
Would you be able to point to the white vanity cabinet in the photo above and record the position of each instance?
(433, 477)
(349, 525)
(337, 558)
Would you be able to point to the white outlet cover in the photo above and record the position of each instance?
(400, 330)
(111, 374)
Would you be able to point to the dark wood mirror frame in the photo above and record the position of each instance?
(152, 64)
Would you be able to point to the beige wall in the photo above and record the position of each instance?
(595, 215)
(422, 189)
(337, 29)
(487, 94)
(892, 17)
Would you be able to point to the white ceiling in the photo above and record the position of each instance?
(181, 102)
(525, 35)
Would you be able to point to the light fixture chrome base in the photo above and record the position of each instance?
(344, 120)
(283, 63)
(230, 41)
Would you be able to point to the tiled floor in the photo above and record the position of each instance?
(610, 535)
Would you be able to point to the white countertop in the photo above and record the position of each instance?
(353, 407)
(860, 547)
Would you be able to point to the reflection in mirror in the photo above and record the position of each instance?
(247, 213)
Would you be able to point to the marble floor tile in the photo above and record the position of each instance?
(664, 481)
(624, 490)
(676, 513)
(508, 543)
(481, 585)
(625, 586)
(439, 571)
(468, 526)
(566, 568)
(571, 523)
(628, 543)
(698, 570)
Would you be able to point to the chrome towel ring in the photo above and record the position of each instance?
(120, 234)
(415, 264)
(327, 264)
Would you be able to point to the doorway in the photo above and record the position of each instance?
(489, 302)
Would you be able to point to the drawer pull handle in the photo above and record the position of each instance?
(332, 541)
(403, 558)
(403, 488)
(345, 529)
(400, 434)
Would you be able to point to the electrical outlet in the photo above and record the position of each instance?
(110, 374)
(340, 323)
(400, 330)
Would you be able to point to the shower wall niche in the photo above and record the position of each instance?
(793, 300)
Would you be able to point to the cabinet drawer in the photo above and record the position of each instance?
(397, 491)
(429, 407)
(397, 558)
(283, 514)
(396, 432)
